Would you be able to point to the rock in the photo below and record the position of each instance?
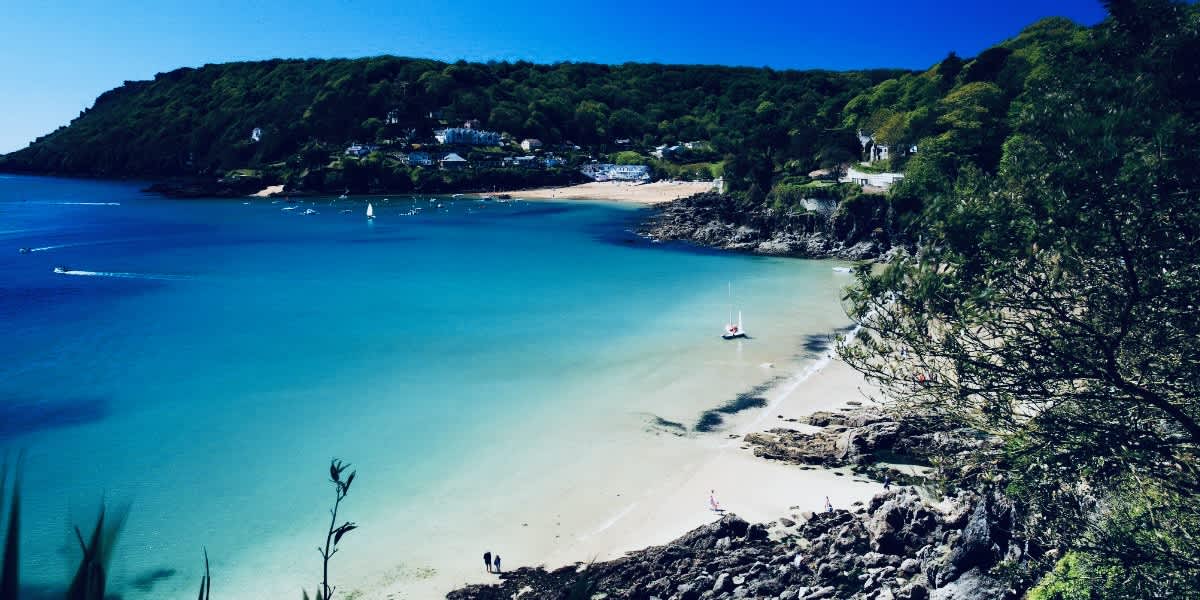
(972, 585)
(722, 584)
(974, 547)
(786, 522)
(825, 592)
(910, 566)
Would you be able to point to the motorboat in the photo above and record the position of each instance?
(61, 269)
(309, 211)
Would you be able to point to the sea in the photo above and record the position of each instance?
(196, 364)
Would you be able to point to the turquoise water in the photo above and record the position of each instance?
(205, 359)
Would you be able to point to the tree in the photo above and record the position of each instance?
(1053, 307)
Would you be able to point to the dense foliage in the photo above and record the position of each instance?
(199, 121)
(1052, 299)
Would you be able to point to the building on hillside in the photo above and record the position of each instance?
(453, 162)
(359, 150)
(469, 137)
(551, 161)
(875, 150)
(531, 144)
(256, 134)
(611, 172)
(417, 159)
(666, 152)
(880, 181)
(472, 124)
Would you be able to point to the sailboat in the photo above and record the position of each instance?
(733, 331)
(370, 211)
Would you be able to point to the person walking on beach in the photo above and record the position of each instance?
(887, 482)
(497, 563)
(487, 561)
(712, 501)
(828, 505)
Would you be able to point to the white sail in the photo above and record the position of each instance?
(370, 211)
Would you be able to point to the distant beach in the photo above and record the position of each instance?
(616, 191)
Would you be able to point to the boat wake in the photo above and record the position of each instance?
(118, 275)
(85, 203)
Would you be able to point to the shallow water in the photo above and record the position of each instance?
(203, 360)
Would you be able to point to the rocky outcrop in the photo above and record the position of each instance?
(862, 437)
(897, 547)
(720, 221)
(207, 188)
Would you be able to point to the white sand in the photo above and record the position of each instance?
(617, 191)
(268, 191)
(646, 496)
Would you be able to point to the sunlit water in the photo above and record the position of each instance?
(203, 360)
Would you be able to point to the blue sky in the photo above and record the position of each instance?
(56, 57)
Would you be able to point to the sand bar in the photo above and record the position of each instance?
(616, 191)
(268, 191)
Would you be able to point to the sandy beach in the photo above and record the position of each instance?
(616, 191)
(268, 191)
(631, 503)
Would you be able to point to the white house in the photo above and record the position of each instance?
(531, 144)
(610, 172)
(417, 159)
(359, 150)
(878, 180)
(453, 161)
(470, 137)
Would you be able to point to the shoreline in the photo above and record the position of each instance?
(605, 527)
(656, 192)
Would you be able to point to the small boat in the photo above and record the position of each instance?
(456, 195)
(733, 331)
(25, 250)
(346, 211)
(370, 212)
(287, 208)
(504, 197)
(842, 269)
(309, 211)
(61, 269)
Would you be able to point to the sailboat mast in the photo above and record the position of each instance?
(729, 293)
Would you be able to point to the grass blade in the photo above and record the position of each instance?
(9, 571)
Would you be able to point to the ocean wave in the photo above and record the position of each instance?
(91, 243)
(119, 275)
(57, 246)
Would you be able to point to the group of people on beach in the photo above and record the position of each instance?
(491, 562)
